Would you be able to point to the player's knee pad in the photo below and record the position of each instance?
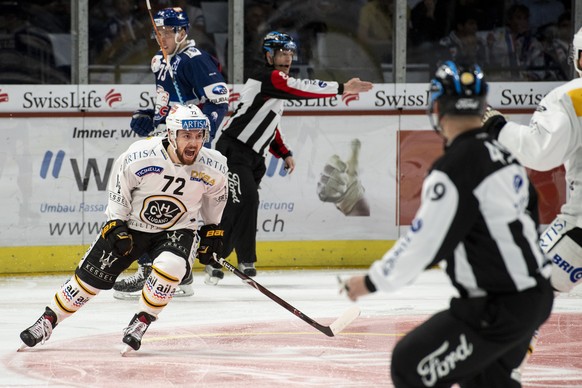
(563, 246)
(74, 293)
(168, 270)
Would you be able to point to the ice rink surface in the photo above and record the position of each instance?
(231, 335)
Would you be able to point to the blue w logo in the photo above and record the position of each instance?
(46, 162)
(91, 169)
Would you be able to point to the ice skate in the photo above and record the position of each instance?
(41, 331)
(130, 287)
(518, 372)
(212, 275)
(133, 333)
(185, 287)
(248, 269)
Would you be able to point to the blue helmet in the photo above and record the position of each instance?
(278, 41)
(172, 17)
(459, 89)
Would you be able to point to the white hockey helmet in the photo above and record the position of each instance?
(186, 118)
(576, 51)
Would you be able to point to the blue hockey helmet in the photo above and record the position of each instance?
(460, 90)
(172, 17)
(275, 40)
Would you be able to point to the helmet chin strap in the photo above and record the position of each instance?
(178, 44)
(172, 141)
(434, 118)
(173, 151)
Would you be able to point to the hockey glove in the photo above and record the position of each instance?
(142, 121)
(339, 182)
(116, 233)
(210, 242)
(493, 121)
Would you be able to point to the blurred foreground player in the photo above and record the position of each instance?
(160, 186)
(553, 138)
(475, 214)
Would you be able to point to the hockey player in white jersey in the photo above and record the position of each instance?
(160, 187)
(554, 138)
(194, 76)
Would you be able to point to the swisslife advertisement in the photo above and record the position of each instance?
(59, 144)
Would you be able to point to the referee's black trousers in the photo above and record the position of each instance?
(477, 342)
(239, 220)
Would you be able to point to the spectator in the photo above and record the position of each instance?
(543, 11)
(514, 52)
(28, 55)
(204, 40)
(429, 21)
(375, 28)
(463, 44)
(255, 27)
(125, 36)
(555, 38)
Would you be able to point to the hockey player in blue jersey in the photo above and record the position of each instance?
(187, 75)
(192, 77)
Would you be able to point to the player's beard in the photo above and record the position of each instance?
(187, 156)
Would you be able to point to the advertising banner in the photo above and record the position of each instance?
(54, 177)
(127, 98)
(58, 145)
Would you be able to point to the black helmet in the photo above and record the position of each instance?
(460, 90)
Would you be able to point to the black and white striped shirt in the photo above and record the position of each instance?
(474, 214)
(258, 114)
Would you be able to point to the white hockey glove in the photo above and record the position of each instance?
(493, 121)
(339, 182)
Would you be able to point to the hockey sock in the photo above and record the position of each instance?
(74, 293)
(167, 271)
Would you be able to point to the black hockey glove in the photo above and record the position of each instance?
(142, 121)
(115, 232)
(210, 242)
(493, 121)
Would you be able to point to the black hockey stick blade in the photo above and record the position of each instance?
(337, 326)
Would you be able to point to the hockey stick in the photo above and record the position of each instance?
(337, 326)
(164, 53)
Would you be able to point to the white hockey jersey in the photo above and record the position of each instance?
(552, 138)
(153, 194)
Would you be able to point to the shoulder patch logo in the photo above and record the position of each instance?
(149, 170)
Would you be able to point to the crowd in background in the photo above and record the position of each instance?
(525, 40)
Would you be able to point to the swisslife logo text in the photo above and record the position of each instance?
(84, 99)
